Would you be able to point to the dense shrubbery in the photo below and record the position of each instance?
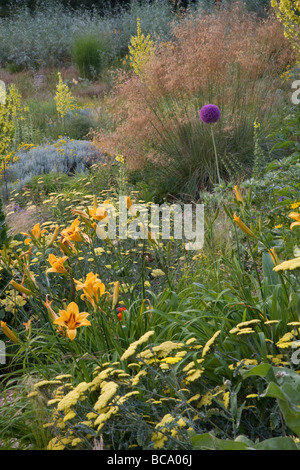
(47, 36)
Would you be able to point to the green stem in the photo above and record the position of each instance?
(216, 155)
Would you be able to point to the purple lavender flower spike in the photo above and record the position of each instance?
(210, 113)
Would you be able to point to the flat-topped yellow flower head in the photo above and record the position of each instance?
(57, 264)
(72, 319)
(289, 265)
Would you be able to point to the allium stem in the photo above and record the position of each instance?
(216, 155)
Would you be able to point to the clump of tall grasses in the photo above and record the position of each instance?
(235, 66)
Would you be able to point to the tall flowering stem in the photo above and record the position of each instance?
(210, 114)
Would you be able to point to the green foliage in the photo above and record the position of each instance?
(89, 52)
(3, 226)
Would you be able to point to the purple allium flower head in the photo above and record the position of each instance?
(210, 113)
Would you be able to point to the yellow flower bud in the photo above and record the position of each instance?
(20, 288)
(9, 333)
(116, 294)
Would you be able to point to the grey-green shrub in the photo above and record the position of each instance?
(67, 156)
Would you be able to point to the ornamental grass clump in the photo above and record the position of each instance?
(157, 126)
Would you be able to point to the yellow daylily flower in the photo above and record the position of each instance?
(9, 333)
(36, 234)
(57, 264)
(93, 288)
(99, 213)
(72, 233)
(242, 226)
(72, 319)
(296, 216)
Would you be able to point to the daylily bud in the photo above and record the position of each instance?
(242, 226)
(9, 333)
(54, 236)
(116, 294)
(20, 288)
(238, 194)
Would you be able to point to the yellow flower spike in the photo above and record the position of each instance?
(242, 226)
(9, 333)
(20, 288)
(296, 216)
(116, 294)
(238, 194)
(72, 319)
(57, 264)
(54, 236)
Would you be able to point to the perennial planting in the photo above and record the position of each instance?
(137, 342)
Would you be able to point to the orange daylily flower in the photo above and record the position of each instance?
(242, 226)
(296, 216)
(72, 319)
(27, 324)
(93, 288)
(36, 233)
(57, 264)
(50, 310)
(120, 312)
